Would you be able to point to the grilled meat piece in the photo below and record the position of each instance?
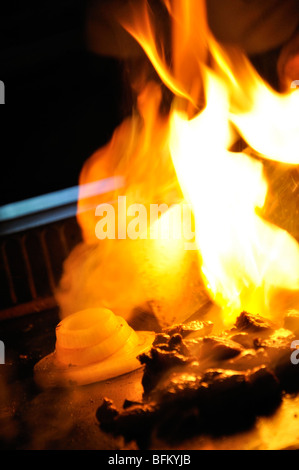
(291, 321)
(133, 424)
(193, 328)
(157, 362)
(243, 338)
(254, 324)
(249, 359)
(219, 348)
(179, 346)
(277, 348)
(196, 382)
(185, 404)
(265, 391)
(106, 412)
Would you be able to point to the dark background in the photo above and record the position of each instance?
(62, 101)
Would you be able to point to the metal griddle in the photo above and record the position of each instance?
(57, 419)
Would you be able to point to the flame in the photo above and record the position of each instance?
(244, 258)
(265, 118)
(150, 273)
(218, 99)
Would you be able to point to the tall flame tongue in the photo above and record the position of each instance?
(244, 259)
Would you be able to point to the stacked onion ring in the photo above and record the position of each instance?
(92, 345)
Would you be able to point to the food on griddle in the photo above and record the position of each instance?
(278, 351)
(196, 383)
(186, 404)
(193, 328)
(91, 345)
(254, 324)
(291, 321)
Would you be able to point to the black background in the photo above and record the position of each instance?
(62, 102)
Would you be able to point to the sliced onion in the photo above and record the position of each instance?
(85, 328)
(85, 356)
(48, 372)
(92, 345)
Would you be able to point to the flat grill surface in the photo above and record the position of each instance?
(36, 419)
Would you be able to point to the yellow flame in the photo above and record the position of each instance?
(244, 259)
(266, 119)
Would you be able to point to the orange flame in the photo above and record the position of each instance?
(218, 98)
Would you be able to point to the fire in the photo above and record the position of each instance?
(243, 259)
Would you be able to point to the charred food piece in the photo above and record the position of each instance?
(192, 329)
(185, 404)
(249, 359)
(217, 402)
(179, 385)
(291, 321)
(277, 345)
(106, 413)
(157, 362)
(172, 348)
(278, 350)
(265, 391)
(219, 348)
(254, 324)
(225, 409)
(243, 338)
(133, 424)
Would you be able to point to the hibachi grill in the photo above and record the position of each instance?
(186, 240)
